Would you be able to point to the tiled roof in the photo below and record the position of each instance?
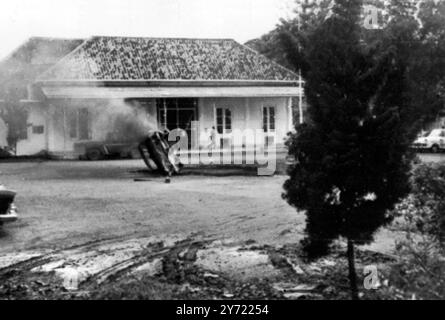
(123, 58)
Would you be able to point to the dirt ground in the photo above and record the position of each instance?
(67, 203)
(83, 224)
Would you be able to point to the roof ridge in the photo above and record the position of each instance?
(164, 38)
(53, 38)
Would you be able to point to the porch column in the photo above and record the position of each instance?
(214, 116)
(165, 114)
(247, 111)
(290, 115)
(300, 99)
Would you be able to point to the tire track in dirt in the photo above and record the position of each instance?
(127, 266)
(117, 256)
(35, 261)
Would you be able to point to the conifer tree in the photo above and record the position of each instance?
(352, 159)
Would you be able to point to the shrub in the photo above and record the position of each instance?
(420, 271)
(423, 212)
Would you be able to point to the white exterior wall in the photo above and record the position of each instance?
(56, 137)
(247, 113)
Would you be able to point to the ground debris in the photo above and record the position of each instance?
(292, 290)
(194, 270)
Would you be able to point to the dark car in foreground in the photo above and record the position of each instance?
(8, 210)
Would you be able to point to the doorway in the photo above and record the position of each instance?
(178, 113)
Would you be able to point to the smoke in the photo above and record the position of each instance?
(122, 121)
(111, 120)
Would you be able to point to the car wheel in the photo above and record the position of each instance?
(94, 155)
(145, 155)
(435, 149)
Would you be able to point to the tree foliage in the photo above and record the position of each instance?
(286, 43)
(415, 31)
(352, 164)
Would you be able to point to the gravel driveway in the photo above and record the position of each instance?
(66, 203)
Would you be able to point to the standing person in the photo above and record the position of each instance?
(212, 137)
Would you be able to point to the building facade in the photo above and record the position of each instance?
(217, 85)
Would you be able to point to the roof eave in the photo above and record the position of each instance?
(167, 83)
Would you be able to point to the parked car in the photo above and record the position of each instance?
(433, 141)
(96, 150)
(8, 210)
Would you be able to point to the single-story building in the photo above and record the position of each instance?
(162, 82)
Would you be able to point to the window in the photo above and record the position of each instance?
(38, 129)
(72, 123)
(84, 124)
(177, 113)
(223, 120)
(79, 124)
(269, 119)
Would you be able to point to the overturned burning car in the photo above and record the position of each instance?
(8, 210)
(157, 154)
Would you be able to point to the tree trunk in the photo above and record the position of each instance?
(352, 272)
